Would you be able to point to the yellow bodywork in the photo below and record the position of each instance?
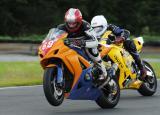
(127, 77)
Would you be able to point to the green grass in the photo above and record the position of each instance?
(156, 67)
(151, 38)
(20, 73)
(154, 56)
(148, 38)
(30, 73)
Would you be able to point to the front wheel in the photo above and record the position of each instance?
(110, 95)
(149, 86)
(53, 93)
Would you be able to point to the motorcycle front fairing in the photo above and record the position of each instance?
(84, 89)
(52, 49)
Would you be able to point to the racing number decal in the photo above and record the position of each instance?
(50, 43)
(47, 45)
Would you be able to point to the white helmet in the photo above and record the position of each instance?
(99, 24)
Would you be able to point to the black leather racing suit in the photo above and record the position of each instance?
(91, 43)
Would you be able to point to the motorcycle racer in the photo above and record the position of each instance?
(75, 26)
(100, 25)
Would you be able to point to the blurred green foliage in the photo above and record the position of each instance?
(25, 17)
(39, 37)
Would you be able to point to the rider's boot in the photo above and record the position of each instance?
(140, 65)
(102, 79)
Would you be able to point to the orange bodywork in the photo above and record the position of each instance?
(104, 50)
(68, 56)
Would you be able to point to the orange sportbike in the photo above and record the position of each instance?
(69, 73)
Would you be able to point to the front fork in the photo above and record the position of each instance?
(59, 77)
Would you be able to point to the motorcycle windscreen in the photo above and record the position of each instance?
(55, 33)
(53, 36)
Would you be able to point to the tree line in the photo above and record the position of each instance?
(25, 17)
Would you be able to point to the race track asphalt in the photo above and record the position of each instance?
(31, 101)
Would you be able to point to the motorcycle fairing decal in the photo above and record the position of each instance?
(84, 88)
(116, 56)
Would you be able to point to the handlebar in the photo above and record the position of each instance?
(77, 38)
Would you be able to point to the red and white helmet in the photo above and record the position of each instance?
(73, 19)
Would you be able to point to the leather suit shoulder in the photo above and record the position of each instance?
(86, 25)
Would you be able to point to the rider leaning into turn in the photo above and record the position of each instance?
(75, 26)
(100, 25)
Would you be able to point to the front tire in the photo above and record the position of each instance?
(110, 96)
(53, 93)
(149, 87)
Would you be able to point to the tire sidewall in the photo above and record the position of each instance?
(144, 90)
(105, 103)
(48, 88)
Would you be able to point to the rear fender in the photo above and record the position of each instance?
(138, 43)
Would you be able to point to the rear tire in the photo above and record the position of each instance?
(109, 99)
(53, 94)
(149, 87)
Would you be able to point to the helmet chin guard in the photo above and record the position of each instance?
(99, 24)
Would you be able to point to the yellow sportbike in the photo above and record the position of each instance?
(126, 70)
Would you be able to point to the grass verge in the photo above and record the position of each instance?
(30, 73)
(153, 56)
(156, 67)
(20, 73)
(33, 37)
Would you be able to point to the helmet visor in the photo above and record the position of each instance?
(72, 24)
(98, 29)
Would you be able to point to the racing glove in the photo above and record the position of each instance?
(80, 43)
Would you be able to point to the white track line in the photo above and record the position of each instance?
(20, 87)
